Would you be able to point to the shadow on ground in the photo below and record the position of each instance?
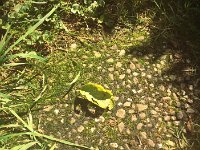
(174, 29)
(89, 109)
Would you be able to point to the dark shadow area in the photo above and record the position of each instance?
(87, 107)
(120, 12)
(175, 29)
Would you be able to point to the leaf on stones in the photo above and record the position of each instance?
(97, 95)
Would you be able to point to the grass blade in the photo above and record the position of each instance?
(20, 119)
(24, 146)
(31, 29)
(53, 147)
(4, 41)
(9, 136)
(59, 140)
(4, 98)
(10, 126)
(14, 64)
(75, 79)
(28, 55)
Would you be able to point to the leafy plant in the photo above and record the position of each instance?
(5, 40)
(97, 95)
(88, 9)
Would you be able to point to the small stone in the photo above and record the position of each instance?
(73, 46)
(114, 47)
(121, 113)
(165, 105)
(166, 99)
(191, 87)
(85, 122)
(131, 111)
(160, 146)
(128, 71)
(149, 125)
(97, 54)
(129, 99)
(190, 111)
(141, 107)
(162, 88)
(122, 76)
(128, 131)
(173, 118)
(135, 74)
(80, 129)
(149, 76)
(152, 104)
(151, 85)
(172, 112)
(48, 108)
(110, 60)
(101, 119)
(167, 118)
(62, 120)
(118, 65)
(151, 143)
(133, 106)
(134, 91)
(142, 115)
(72, 121)
(122, 53)
(157, 109)
(190, 101)
(132, 66)
(176, 123)
(116, 98)
(153, 112)
(139, 126)
(158, 66)
(92, 129)
(175, 96)
(140, 38)
(143, 135)
(119, 104)
(127, 104)
(111, 69)
(121, 126)
(180, 115)
(143, 74)
(56, 111)
(135, 80)
(133, 118)
(114, 145)
(111, 76)
(170, 143)
(178, 104)
(187, 106)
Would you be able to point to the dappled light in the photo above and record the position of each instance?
(104, 74)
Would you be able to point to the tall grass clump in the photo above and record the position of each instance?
(15, 132)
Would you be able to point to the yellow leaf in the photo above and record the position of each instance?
(97, 95)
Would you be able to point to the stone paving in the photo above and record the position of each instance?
(153, 109)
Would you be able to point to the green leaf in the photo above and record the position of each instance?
(97, 95)
(28, 55)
